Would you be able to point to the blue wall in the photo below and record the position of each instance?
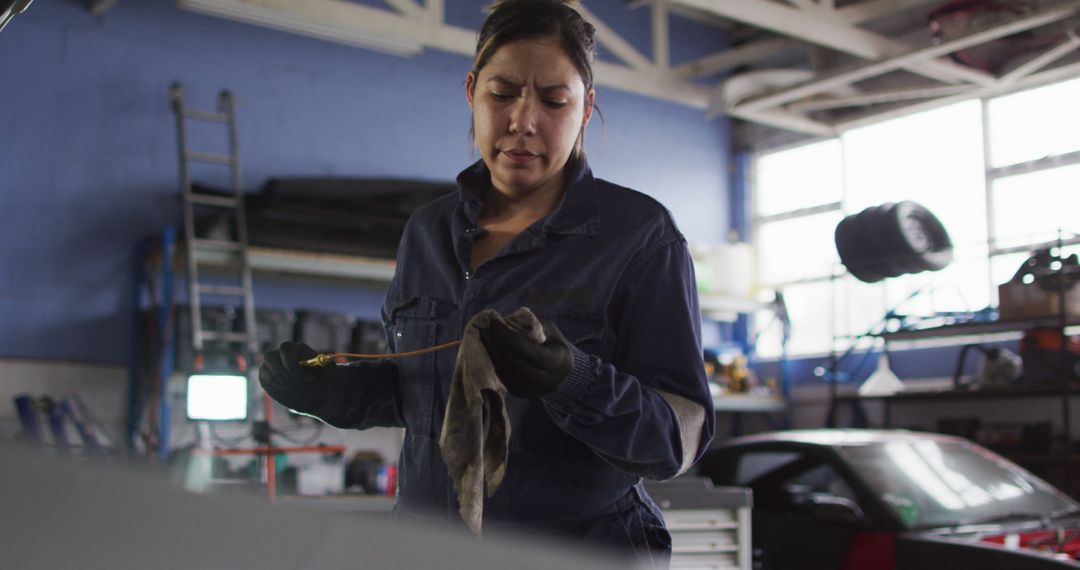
(88, 155)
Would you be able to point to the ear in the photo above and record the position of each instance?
(590, 99)
(470, 85)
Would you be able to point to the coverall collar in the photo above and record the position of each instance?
(577, 212)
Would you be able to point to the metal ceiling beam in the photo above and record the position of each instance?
(852, 14)
(614, 42)
(818, 28)
(1060, 73)
(871, 10)
(410, 28)
(846, 78)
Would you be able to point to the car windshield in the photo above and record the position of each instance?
(932, 483)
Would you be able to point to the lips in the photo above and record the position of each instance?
(520, 155)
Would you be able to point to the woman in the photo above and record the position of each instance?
(618, 391)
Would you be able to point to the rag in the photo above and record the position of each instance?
(476, 426)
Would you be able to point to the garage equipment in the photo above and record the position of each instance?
(709, 526)
(234, 244)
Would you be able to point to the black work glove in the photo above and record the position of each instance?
(527, 368)
(289, 383)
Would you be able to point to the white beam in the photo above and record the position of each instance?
(657, 85)
(786, 121)
(832, 33)
(877, 98)
(1043, 77)
(355, 24)
(614, 42)
(406, 8)
(871, 10)
(1067, 46)
(332, 20)
(851, 14)
(734, 57)
(660, 36)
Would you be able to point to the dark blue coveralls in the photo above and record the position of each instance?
(612, 271)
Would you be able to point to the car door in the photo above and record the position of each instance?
(805, 512)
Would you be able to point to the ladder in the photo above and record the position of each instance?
(202, 250)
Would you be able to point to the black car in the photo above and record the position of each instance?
(891, 499)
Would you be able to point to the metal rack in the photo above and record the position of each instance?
(1064, 389)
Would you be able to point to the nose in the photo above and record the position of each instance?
(523, 117)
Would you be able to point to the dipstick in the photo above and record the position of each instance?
(325, 359)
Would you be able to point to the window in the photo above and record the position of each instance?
(991, 193)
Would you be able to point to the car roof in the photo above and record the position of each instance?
(837, 437)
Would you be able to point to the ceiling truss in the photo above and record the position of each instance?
(811, 100)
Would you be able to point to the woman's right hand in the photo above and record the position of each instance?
(282, 376)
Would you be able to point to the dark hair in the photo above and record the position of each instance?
(512, 20)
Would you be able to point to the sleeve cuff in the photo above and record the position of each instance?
(580, 378)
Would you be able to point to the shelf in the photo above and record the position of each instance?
(980, 328)
(1006, 392)
(272, 260)
(748, 403)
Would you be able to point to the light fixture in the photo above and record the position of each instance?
(217, 397)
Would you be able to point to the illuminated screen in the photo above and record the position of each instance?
(217, 397)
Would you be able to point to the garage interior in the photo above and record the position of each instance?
(880, 196)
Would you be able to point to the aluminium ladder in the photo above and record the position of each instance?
(200, 250)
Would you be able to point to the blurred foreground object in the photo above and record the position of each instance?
(10, 8)
(1035, 291)
(892, 239)
(78, 514)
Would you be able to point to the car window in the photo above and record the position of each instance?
(790, 476)
(822, 479)
(928, 483)
(753, 465)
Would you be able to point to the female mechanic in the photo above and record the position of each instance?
(617, 393)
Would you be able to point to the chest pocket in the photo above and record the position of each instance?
(412, 324)
(585, 330)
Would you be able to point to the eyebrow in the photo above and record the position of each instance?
(515, 84)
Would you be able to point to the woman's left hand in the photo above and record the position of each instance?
(527, 368)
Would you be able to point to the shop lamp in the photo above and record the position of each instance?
(217, 397)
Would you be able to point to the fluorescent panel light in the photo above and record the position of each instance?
(217, 397)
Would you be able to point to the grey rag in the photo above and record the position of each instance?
(476, 426)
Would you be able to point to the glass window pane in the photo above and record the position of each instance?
(859, 307)
(798, 248)
(933, 158)
(1035, 123)
(1029, 208)
(798, 178)
(962, 286)
(810, 308)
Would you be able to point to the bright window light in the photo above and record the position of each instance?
(216, 397)
(1029, 208)
(799, 248)
(799, 178)
(938, 159)
(1034, 124)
